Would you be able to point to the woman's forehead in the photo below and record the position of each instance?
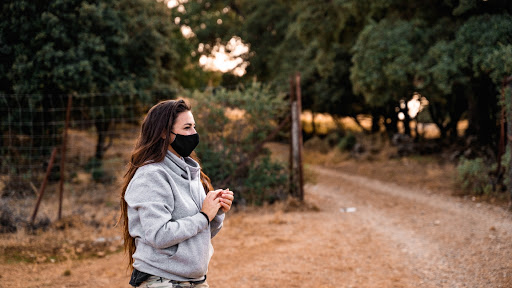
(184, 118)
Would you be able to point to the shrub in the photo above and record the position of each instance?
(348, 142)
(333, 138)
(232, 126)
(97, 170)
(505, 162)
(265, 182)
(473, 176)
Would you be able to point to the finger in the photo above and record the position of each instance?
(225, 193)
(225, 206)
(213, 194)
(215, 191)
(227, 201)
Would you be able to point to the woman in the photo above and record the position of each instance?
(169, 220)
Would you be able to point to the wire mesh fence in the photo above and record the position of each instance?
(103, 129)
(33, 125)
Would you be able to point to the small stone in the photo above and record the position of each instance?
(100, 240)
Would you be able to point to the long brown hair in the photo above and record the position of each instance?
(151, 147)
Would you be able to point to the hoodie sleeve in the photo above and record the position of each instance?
(150, 196)
(216, 223)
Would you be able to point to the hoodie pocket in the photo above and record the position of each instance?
(171, 251)
(192, 256)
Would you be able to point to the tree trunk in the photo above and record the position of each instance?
(102, 128)
(457, 106)
(482, 111)
(375, 121)
(407, 120)
(313, 122)
(391, 120)
(434, 115)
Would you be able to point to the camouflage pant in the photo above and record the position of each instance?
(159, 282)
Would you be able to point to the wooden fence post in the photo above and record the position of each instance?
(41, 190)
(296, 177)
(292, 120)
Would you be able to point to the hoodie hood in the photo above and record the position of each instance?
(187, 167)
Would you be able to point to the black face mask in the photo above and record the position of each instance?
(185, 144)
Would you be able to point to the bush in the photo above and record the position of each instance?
(232, 126)
(348, 142)
(473, 176)
(265, 182)
(333, 138)
(98, 172)
(505, 161)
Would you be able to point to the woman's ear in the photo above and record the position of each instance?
(163, 135)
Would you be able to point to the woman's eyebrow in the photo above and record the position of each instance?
(187, 124)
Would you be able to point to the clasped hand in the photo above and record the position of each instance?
(218, 199)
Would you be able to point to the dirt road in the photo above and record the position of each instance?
(396, 237)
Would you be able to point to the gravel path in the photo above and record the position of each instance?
(445, 241)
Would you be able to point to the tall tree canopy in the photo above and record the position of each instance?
(355, 56)
(109, 49)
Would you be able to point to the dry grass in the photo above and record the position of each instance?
(90, 209)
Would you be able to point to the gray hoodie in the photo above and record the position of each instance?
(172, 239)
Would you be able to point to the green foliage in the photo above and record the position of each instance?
(98, 173)
(265, 26)
(477, 40)
(384, 60)
(87, 46)
(232, 125)
(347, 142)
(499, 63)
(464, 6)
(505, 163)
(100, 51)
(265, 182)
(473, 176)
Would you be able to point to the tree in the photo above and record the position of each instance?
(462, 72)
(105, 48)
(384, 60)
(477, 40)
